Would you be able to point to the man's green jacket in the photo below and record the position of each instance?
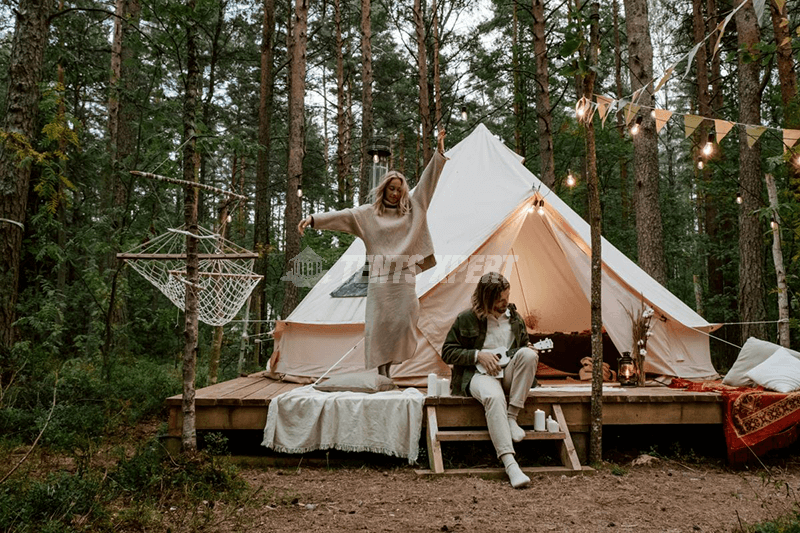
(468, 334)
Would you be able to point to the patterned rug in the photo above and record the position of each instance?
(755, 420)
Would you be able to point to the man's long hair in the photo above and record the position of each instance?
(487, 292)
(404, 205)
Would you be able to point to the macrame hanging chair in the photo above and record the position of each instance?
(225, 274)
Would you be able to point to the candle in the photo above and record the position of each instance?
(433, 385)
(538, 420)
(444, 387)
(552, 425)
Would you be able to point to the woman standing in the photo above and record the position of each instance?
(398, 245)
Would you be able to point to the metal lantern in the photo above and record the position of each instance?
(379, 152)
(626, 370)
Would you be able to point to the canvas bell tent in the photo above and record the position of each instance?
(485, 216)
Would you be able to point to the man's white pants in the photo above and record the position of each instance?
(517, 380)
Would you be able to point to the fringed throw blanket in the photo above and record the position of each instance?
(755, 420)
(304, 419)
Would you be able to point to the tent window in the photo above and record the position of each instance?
(355, 286)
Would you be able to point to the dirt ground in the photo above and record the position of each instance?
(664, 495)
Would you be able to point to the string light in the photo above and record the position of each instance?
(540, 210)
(700, 164)
(464, 112)
(530, 207)
(570, 179)
(581, 108)
(708, 149)
(773, 224)
(653, 113)
(637, 126)
(739, 198)
(228, 220)
(299, 192)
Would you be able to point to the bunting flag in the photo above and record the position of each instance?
(780, 4)
(662, 116)
(722, 127)
(690, 58)
(603, 103)
(790, 138)
(691, 122)
(664, 78)
(758, 5)
(721, 28)
(630, 112)
(753, 133)
(637, 94)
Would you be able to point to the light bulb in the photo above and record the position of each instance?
(653, 113)
(739, 198)
(228, 220)
(773, 224)
(708, 149)
(637, 126)
(540, 210)
(463, 112)
(530, 209)
(700, 164)
(299, 192)
(376, 159)
(570, 180)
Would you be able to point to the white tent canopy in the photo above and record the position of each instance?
(481, 220)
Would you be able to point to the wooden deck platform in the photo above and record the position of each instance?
(241, 404)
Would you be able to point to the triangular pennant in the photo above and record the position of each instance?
(690, 57)
(722, 127)
(603, 103)
(753, 133)
(691, 122)
(630, 112)
(662, 116)
(780, 4)
(759, 7)
(664, 78)
(637, 94)
(790, 138)
(721, 29)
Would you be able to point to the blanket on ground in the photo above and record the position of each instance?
(305, 419)
(755, 420)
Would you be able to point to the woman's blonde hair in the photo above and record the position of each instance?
(487, 292)
(404, 205)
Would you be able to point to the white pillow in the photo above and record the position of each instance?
(780, 372)
(753, 353)
(369, 381)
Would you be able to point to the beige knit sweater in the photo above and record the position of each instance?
(391, 237)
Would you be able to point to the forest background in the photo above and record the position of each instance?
(268, 99)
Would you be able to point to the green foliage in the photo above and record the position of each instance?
(787, 524)
(53, 504)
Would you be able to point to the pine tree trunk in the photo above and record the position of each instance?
(190, 171)
(22, 99)
(788, 81)
(704, 175)
(543, 108)
(751, 250)
(437, 86)
(595, 221)
(366, 100)
(424, 98)
(206, 109)
(261, 226)
(777, 259)
(342, 125)
(623, 159)
(649, 236)
(297, 62)
(518, 96)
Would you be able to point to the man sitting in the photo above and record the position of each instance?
(475, 339)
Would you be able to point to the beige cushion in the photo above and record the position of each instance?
(369, 381)
(780, 372)
(753, 353)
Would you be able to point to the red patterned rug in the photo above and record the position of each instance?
(755, 420)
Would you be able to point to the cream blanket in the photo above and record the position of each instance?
(305, 419)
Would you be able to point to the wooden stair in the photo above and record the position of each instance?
(435, 436)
